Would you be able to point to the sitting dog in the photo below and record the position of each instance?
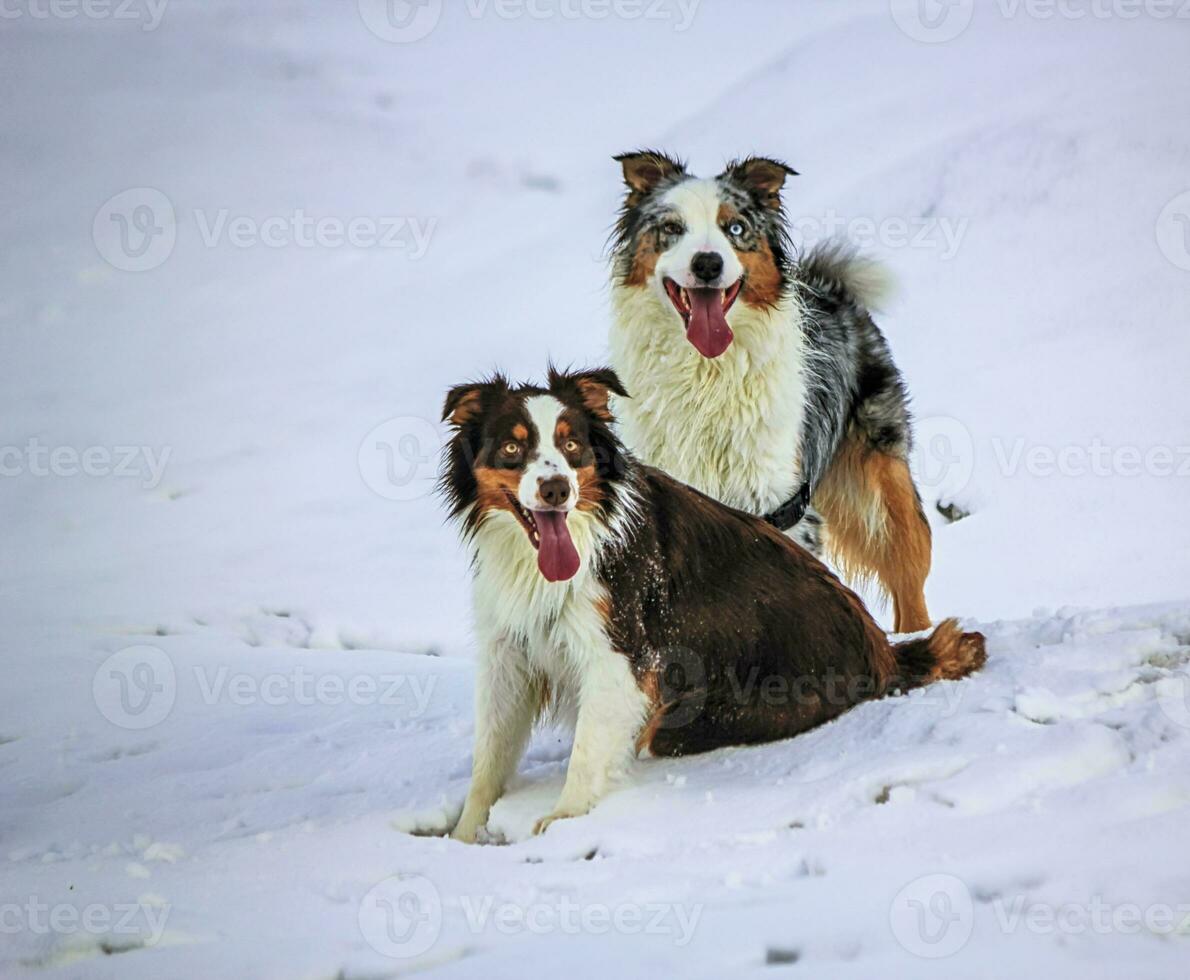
(653, 617)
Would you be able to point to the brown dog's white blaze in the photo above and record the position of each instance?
(549, 487)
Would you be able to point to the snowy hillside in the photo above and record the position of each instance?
(247, 248)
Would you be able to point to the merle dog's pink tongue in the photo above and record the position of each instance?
(557, 557)
(708, 330)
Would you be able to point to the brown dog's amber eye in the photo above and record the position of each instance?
(511, 449)
(571, 446)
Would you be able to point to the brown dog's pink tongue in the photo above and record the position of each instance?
(708, 330)
(557, 557)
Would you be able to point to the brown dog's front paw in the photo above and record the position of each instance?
(543, 824)
(465, 833)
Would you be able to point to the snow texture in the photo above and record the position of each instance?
(236, 711)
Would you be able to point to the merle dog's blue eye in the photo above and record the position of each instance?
(737, 228)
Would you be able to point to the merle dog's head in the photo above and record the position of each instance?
(542, 458)
(703, 244)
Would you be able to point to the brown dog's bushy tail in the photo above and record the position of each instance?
(945, 655)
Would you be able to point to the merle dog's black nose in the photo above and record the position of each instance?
(555, 491)
(707, 266)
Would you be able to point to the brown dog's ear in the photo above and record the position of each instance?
(463, 402)
(594, 388)
(597, 387)
(763, 178)
(645, 169)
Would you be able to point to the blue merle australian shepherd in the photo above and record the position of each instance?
(652, 617)
(759, 377)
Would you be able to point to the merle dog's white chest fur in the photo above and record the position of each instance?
(731, 426)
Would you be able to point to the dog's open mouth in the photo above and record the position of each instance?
(557, 557)
(704, 311)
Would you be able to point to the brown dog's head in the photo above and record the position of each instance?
(535, 456)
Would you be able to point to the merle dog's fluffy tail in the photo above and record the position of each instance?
(835, 268)
(946, 654)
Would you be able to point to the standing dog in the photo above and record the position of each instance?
(653, 617)
(762, 380)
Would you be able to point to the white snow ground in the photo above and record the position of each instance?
(289, 622)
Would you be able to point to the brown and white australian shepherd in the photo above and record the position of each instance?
(758, 376)
(653, 618)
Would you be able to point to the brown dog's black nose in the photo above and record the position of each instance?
(707, 266)
(555, 491)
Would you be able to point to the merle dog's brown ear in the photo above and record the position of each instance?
(593, 388)
(762, 177)
(464, 402)
(644, 170)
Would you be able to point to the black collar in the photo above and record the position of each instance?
(792, 511)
